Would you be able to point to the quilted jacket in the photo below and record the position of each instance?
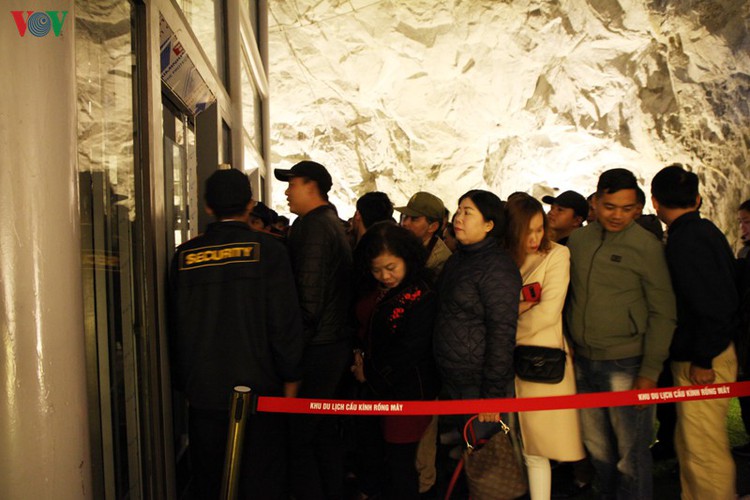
(475, 331)
(322, 263)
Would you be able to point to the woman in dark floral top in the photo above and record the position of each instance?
(396, 361)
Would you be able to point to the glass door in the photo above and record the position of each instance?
(181, 189)
(106, 76)
(179, 174)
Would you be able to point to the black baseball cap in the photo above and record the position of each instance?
(310, 169)
(570, 199)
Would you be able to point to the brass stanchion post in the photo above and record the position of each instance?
(235, 437)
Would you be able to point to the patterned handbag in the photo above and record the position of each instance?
(492, 468)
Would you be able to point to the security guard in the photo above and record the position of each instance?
(235, 320)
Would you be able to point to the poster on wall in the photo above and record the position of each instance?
(180, 74)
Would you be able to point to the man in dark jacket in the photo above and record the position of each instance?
(743, 217)
(567, 213)
(743, 341)
(423, 216)
(322, 263)
(702, 267)
(234, 320)
(372, 207)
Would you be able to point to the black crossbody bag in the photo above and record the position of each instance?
(544, 365)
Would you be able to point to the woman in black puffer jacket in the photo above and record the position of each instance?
(479, 289)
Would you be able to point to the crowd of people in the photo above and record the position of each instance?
(434, 306)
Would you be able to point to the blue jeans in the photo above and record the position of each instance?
(617, 438)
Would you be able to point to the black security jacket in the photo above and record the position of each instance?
(322, 262)
(702, 267)
(234, 316)
(475, 331)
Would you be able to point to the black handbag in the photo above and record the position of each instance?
(545, 365)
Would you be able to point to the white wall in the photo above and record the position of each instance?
(44, 445)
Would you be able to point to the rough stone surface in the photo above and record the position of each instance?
(511, 95)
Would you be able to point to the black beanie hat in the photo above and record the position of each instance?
(228, 192)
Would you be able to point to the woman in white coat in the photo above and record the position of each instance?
(544, 266)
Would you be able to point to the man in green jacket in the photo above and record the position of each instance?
(621, 317)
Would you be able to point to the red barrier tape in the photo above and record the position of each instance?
(506, 405)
